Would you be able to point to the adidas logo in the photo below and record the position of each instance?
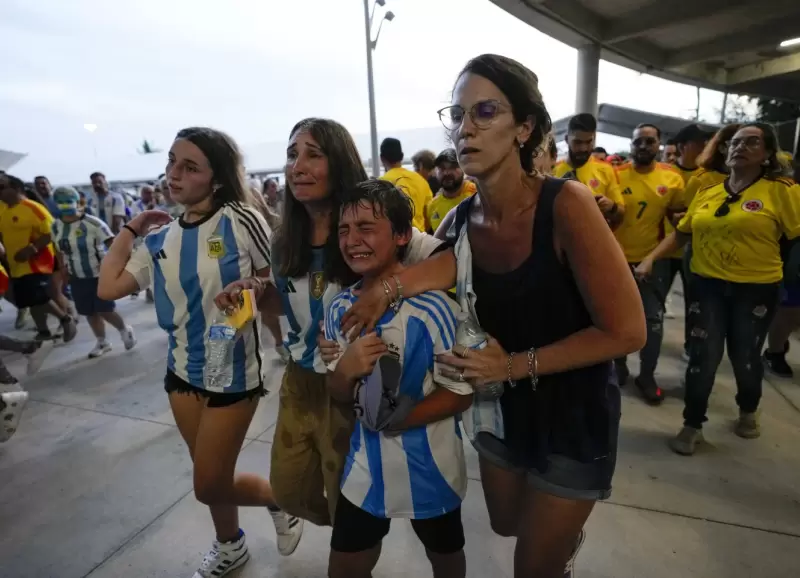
(160, 255)
(627, 191)
(289, 287)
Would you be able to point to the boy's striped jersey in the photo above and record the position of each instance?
(83, 245)
(189, 264)
(304, 299)
(421, 472)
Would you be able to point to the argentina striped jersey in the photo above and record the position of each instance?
(107, 206)
(83, 245)
(305, 298)
(189, 264)
(420, 473)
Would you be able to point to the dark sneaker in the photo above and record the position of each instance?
(776, 364)
(747, 426)
(685, 443)
(623, 373)
(651, 393)
(5, 376)
(70, 331)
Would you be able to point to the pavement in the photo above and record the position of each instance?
(97, 482)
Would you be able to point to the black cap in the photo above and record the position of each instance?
(446, 156)
(391, 150)
(692, 133)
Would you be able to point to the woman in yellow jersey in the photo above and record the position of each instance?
(737, 268)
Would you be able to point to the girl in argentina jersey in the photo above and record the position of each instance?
(219, 239)
(313, 431)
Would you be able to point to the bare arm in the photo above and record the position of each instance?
(116, 224)
(439, 405)
(669, 245)
(115, 281)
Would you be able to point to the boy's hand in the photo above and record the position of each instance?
(360, 357)
(328, 350)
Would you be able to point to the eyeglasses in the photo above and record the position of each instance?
(482, 114)
(749, 142)
(645, 141)
(725, 207)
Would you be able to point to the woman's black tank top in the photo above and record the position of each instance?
(537, 304)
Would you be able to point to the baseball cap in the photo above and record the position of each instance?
(446, 156)
(66, 198)
(379, 403)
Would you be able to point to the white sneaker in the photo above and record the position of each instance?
(36, 359)
(128, 337)
(283, 353)
(569, 570)
(13, 404)
(101, 348)
(289, 530)
(223, 558)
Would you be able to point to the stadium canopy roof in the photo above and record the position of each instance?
(620, 121)
(726, 45)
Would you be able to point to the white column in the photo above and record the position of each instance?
(588, 73)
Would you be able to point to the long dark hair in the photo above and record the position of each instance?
(225, 159)
(292, 246)
(712, 159)
(520, 85)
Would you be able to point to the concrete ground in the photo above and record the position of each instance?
(97, 482)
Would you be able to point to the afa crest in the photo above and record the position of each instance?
(215, 247)
(317, 284)
(79, 232)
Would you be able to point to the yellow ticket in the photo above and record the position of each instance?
(245, 312)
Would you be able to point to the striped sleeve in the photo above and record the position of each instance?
(333, 319)
(440, 321)
(101, 231)
(257, 232)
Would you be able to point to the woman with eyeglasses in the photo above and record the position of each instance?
(736, 229)
(534, 263)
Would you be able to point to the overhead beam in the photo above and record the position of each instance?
(661, 15)
(766, 69)
(765, 35)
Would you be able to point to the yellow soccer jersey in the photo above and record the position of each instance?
(742, 245)
(440, 205)
(701, 180)
(417, 189)
(686, 174)
(599, 176)
(648, 197)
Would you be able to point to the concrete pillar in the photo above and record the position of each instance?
(588, 73)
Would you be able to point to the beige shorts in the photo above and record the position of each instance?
(312, 438)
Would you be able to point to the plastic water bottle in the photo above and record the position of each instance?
(221, 339)
(469, 334)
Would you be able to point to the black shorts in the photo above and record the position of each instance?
(31, 290)
(173, 383)
(84, 293)
(355, 530)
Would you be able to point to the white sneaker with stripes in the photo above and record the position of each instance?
(223, 558)
(289, 530)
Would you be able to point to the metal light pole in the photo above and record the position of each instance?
(371, 44)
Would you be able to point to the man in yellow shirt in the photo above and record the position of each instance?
(25, 231)
(454, 189)
(689, 144)
(411, 183)
(582, 166)
(652, 191)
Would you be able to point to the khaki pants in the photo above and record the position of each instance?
(312, 438)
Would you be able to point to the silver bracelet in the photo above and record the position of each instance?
(533, 367)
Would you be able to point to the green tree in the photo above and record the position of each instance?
(775, 111)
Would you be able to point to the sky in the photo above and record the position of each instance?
(144, 69)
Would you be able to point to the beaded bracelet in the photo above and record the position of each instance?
(510, 361)
(533, 367)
